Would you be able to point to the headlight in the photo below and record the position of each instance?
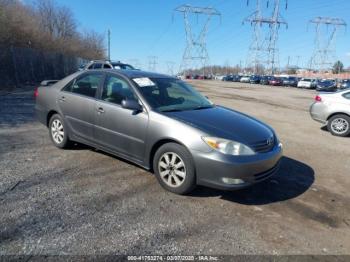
(228, 147)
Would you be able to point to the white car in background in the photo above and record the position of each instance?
(219, 77)
(333, 110)
(245, 79)
(307, 83)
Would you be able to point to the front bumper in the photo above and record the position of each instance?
(214, 168)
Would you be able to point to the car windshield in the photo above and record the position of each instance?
(170, 94)
(327, 82)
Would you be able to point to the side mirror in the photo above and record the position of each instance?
(132, 105)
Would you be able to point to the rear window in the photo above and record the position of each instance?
(347, 95)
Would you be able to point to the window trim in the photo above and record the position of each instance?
(80, 77)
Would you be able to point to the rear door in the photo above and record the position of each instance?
(118, 129)
(77, 102)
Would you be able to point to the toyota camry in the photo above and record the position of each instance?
(162, 124)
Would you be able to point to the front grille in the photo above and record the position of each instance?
(264, 146)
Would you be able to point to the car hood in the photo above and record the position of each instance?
(225, 123)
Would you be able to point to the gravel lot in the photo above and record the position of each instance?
(83, 201)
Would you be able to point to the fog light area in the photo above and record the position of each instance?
(232, 181)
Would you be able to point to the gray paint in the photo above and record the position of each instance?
(133, 135)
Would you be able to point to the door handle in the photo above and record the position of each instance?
(100, 110)
(62, 99)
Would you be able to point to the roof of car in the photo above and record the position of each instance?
(134, 73)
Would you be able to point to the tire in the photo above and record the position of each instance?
(58, 132)
(339, 125)
(174, 168)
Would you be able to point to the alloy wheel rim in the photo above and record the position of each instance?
(57, 131)
(172, 169)
(340, 126)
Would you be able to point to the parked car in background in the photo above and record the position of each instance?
(333, 110)
(307, 83)
(101, 64)
(290, 81)
(245, 79)
(162, 124)
(237, 78)
(264, 80)
(326, 85)
(254, 79)
(345, 83)
(275, 81)
(219, 77)
(228, 78)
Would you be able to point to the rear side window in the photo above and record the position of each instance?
(86, 85)
(347, 95)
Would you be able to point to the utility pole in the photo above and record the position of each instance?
(263, 50)
(152, 63)
(288, 63)
(109, 45)
(325, 47)
(195, 53)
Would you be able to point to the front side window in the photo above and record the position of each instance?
(116, 90)
(86, 85)
(170, 94)
(106, 66)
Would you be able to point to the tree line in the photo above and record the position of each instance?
(46, 26)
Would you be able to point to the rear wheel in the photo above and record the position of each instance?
(174, 168)
(57, 131)
(339, 125)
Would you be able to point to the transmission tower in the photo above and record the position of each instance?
(170, 67)
(196, 54)
(325, 47)
(152, 63)
(135, 63)
(263, 51)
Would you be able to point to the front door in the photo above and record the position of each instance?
(118, 129)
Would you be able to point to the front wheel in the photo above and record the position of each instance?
(339, 125)
(58, 132)
(174, 168)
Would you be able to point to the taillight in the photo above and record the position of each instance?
(36, 92)
(318, 98)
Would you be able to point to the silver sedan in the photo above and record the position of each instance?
(333, 110)
(162, 124)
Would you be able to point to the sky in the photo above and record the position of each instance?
(144, 28)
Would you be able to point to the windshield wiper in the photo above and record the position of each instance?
(172, 110)
(202, 107)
